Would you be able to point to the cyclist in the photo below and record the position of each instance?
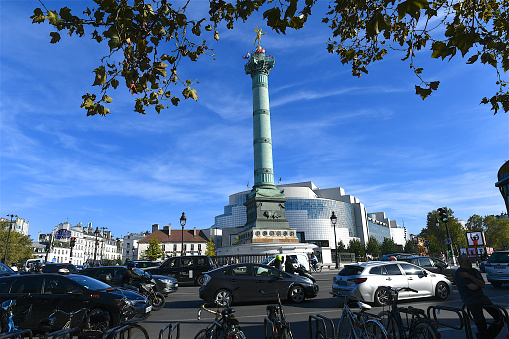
(470, 284)
(314, 261)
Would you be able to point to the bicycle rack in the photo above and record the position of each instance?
(171, 332)
(17, 334)
(321, 322)
(62, 334)
(266, 324)
(462, 315)
(123, 330)
(469, 317)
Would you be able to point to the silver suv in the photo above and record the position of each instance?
(497, 268)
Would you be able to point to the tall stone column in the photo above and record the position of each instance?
(265, 204)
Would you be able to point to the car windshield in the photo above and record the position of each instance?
(89, 283)
(4, 269)
(499, 257)
(266, 261)
(351, 270)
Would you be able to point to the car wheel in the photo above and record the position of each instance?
(223, 298)
(441, 291)
(200, 280)
(497, 284)
(296, 294)
(382, 296)
(100, 324)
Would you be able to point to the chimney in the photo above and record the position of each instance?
(167, 229)
(195, 232)
(155, 227)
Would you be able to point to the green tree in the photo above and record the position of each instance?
(373, 247)
(19, 248)
(341, 247)
(436, 235)
(496, 232)
(388, 246)
(154, 250)
(210, 248)
(355, 246)
(474, 223)
(149, 41)
(410, 247)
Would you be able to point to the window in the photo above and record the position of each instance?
(376, 270)
(57, 285)
(128, 245)
(351, 270)
(199, 247)
(192, 247)
(265, 272)
(393, 269)
(411, 270)
(175, 247)
(423, 262)
(187, 262)
(241, 271)
(27, 285)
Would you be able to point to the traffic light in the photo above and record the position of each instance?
(442, 212)
(73, 242)
(47, 248)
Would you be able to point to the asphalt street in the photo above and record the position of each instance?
(183, 306)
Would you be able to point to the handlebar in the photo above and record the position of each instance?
(70, 314)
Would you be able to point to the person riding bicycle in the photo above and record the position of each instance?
(314, 261)
(129, 276)
(470, 284)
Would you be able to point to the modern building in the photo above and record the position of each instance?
(175, 242)
(503, 183)
(130, 246)
(91, 246)
(308, 211)
(19, 225)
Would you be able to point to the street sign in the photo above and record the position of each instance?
(54, 260)
(63, 234)
(448, 241)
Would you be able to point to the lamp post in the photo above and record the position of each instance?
(8, 236)
(183, 220)
(103, 247)
(96, 243)
(334, 220)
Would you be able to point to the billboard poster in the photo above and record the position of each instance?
(463, 251)
(480, 250)
(472, 252)
(475, 238)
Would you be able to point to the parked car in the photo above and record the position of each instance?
(186, 269)
(143, 264)
(164, 284)
(365, 281)
(397, 256)
(497, 268)
(59, 268)
(433, 265)
(47, 292)
(245, 282)
(6, 270)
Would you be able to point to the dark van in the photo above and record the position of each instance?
(186, 269)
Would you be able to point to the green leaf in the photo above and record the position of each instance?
(423, 92)
(114, 83)
(159, 108)
(100, 76)
(52, 17)
(489, 58)
(107, 99)
(55, 37)
(473, 59)
(376, 25)
(175, 101)
(434, 85)
(189, 92)
(38, 16)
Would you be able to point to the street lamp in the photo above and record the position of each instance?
(334, 220)
(96, 243)
(8, 236)
(183, 220)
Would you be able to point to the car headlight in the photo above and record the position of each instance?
(206, 279)
(166, 281)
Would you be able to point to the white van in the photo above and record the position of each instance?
(31, 262)
(297, 258)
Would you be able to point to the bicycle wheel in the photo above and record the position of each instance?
(319, 268)
(134, 331)
(286, 333)
(203, 334)
(375, 330)
(345, 329)
(390, 324)
(424, 330)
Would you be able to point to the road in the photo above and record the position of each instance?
(183, 306)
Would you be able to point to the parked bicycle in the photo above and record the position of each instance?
(78, 323)
(12, 314)
(354, 325)
(224, 326)
(275, 319)
(417, 324)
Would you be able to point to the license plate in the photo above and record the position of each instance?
(342, 283)
(499, 267)
(148, 309)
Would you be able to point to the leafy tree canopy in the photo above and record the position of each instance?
(355, 246)
(389, 246)
(373, 247)
(148, 39)
(154, 250)
(210, 248)
(19, 248)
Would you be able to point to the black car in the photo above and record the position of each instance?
(59, 268)
(164, 284)
(6, 270)
(186, 269)
(255, 282)
(434, 265)
(48, 292)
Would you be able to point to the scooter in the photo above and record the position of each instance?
(147, 288)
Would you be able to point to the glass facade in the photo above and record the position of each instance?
(379, 232)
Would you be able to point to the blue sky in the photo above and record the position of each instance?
(372, 136)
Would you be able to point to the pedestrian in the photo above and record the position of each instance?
(278, 262)
(470, 284)
(289, 265)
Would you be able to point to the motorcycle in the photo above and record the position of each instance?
(147, 288)
(301, 270)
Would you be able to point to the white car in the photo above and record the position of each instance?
(365, 281)
(497, 268)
